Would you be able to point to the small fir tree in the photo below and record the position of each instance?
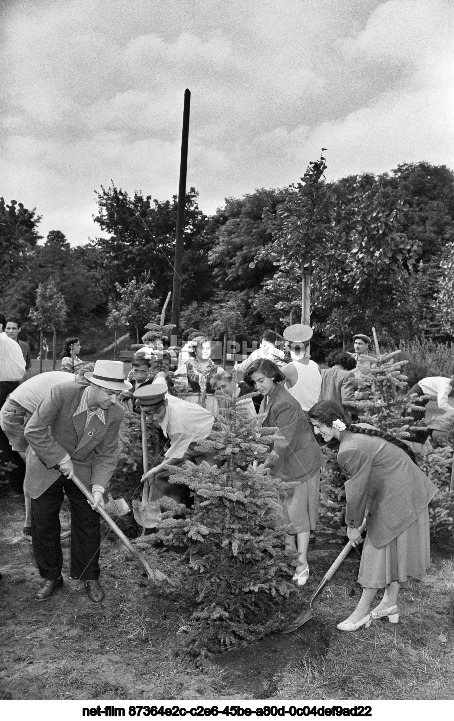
(237, 572)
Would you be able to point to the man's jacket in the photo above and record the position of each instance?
(53, 431)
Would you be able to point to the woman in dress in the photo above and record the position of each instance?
(70, 362)
(387, 487)
(298, 459)
(194, 379)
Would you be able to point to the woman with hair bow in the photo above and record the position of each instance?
(298, 459)
(387, 487)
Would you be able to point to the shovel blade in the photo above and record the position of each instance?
(299, 621)
(147, 514)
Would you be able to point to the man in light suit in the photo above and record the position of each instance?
(73, 432)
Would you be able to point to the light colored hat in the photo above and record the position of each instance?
(363, 337)
(151, 394)
(298, 333)
(110, 375)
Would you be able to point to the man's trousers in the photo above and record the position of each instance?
(85, 532)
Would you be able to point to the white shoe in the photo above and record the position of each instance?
(301, 578)
(349, 626)
(392, 612)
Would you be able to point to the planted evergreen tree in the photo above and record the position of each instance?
(387, 407)
(237, 572)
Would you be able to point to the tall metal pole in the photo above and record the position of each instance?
(179, 245)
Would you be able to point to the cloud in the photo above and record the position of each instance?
(94, 91)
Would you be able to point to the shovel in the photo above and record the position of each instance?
(147, 513)
(116, 506)
(307, 614)
(152, 573)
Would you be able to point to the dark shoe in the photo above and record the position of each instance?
(48, 588)
(94, 591)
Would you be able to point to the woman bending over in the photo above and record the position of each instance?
(385, 485)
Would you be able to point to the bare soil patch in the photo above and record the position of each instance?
(127, 647)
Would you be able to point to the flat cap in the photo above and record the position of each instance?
(298, 333)
(363, 337)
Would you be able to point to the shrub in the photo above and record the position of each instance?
(427, 358)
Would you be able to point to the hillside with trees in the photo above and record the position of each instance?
(378, 248)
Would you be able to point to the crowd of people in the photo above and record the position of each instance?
(66, 423)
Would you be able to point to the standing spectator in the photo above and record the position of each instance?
(152, 345)
(13, 328)
(44, 350)
(338, 381)
(302, 375)
(185, 352)
(12, 369)
(298, 459)
(225, 385)
(267, 349)
(361, 345)
(12, 363)
(195, 377)
(74, 431)
(70, 362)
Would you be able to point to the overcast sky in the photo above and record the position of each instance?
(92, 90)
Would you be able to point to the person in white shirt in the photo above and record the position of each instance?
(12, 370)
(18, 408)
(303, 378)
(12, 363)
(438, 387)
(267, 350)
(184, 424)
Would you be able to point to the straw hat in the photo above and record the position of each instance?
(110, 375)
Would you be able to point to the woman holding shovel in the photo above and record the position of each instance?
(385, 485)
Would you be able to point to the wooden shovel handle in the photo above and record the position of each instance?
(151, 572)
(341, 557)
(143, 426)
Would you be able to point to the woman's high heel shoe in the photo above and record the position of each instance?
(302, 577)
(392, 612)
(349, 626)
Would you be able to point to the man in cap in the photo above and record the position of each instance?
(73, 432)
(184, 424)
(361, 345)
(303, 379)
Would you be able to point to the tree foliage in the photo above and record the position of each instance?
(142, 239)
(237, 572)
(18, 236)
(136, 307)
(51, 310)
